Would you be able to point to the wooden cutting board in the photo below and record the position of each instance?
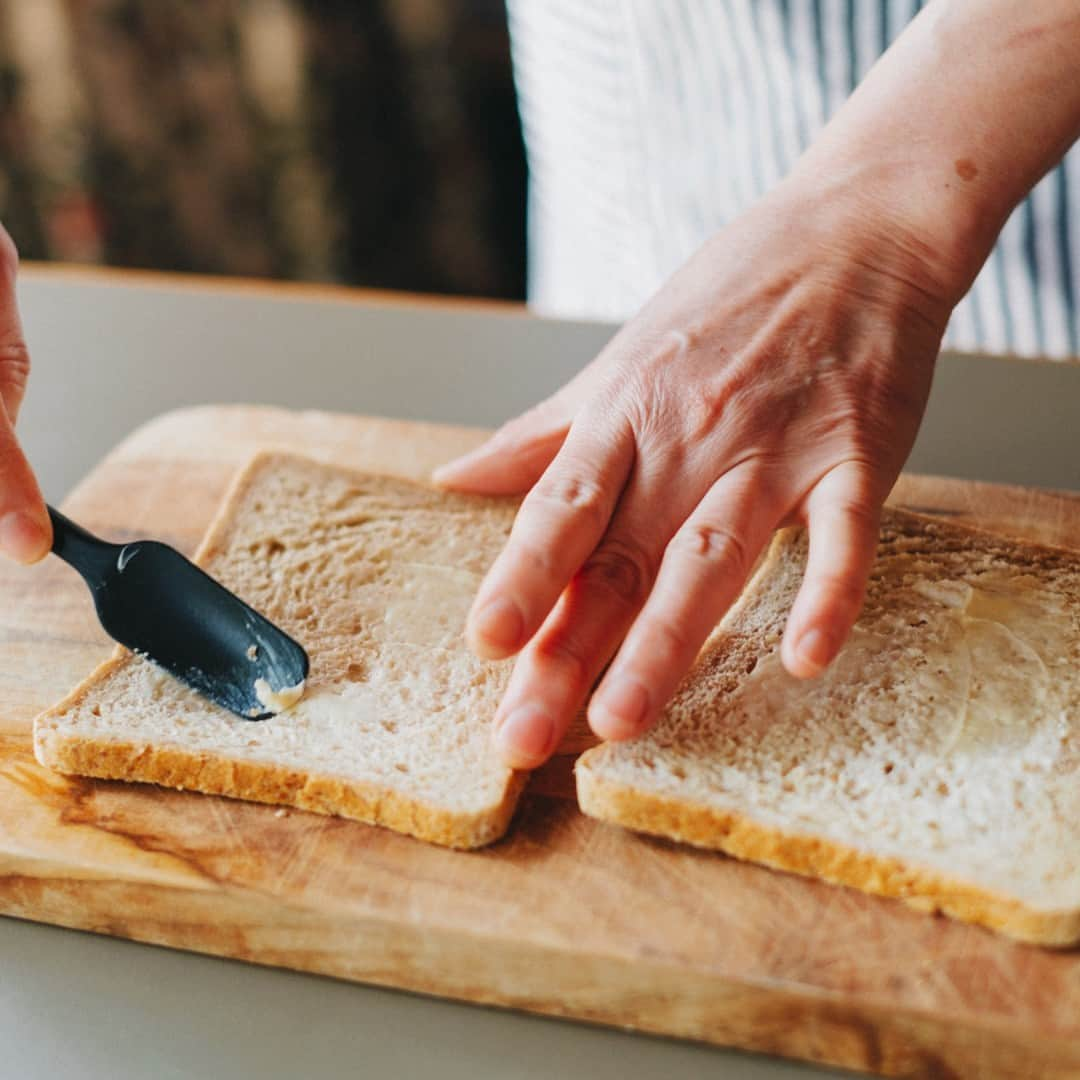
(565, 916)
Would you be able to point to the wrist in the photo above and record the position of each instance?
(925, 204)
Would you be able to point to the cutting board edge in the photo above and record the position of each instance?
(631, 993)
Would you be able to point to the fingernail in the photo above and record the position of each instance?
(620, 710)
(815, 649)
(523, 739)
(496, 629)
(22, 537)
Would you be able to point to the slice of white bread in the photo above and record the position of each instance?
(937, 760)
(374, 576)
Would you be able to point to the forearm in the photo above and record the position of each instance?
(972, 104)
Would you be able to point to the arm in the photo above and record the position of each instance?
(957, 122)
(778, 377)
(25, 532)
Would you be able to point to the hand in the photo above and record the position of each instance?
(25, 530)
(779, 377)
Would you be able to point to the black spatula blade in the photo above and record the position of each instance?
(159, 604)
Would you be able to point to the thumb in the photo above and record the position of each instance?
(25, 529)
(515, 457)
(14, 357)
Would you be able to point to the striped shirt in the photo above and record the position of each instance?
(649, 124)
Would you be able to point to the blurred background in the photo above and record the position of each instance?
(368, 142)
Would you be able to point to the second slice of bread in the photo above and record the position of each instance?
(374, 576)
(937, 760)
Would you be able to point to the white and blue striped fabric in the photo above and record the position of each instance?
(651, 123)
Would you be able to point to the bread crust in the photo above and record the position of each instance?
(273, 783)
(739, 835)
(727, 829)
(279, 785)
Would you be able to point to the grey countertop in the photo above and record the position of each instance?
(111, 351)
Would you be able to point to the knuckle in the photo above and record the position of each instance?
(716, 544)
(574, 496)
(14, 365)
(622, 569)
(566, 655)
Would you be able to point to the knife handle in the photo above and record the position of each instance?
(94, 558)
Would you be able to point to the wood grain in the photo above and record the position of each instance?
(566, 916)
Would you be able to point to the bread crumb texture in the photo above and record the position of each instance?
(374, 576)
(936, 760)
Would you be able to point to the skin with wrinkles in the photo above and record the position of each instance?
(683, 449)
(779, 377)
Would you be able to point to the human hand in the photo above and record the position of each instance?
(778, 377)
(25, 530)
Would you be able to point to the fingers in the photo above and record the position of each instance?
(843, 512)
(703, 570)
(514, 458)
(14, 357)
(25, 530)
(558, 525)
(556, 670)
(705, 566)
(554, 673)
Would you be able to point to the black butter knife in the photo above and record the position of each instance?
(159, 604)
